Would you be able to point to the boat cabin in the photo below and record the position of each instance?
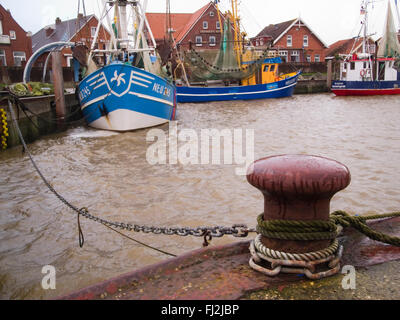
(266, 74)
(368, 69)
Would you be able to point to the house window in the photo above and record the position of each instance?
(217, 25)
(93, 31)
(257, 43)
(212, 41)
(305, 41)
(284, 55)
(289, 41)
(205, 25)
(1, 27)
(13, 35)
(199, 41)
(308, 58)
(69, 60)
(317, 58)
(294, 56)
(212, 13)
(3, 61)
(261, 42)
(19, 56)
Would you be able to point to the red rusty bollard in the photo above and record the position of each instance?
(297, 187)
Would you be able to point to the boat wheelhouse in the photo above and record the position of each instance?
(370, 73)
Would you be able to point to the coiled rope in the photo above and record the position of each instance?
(324, 230)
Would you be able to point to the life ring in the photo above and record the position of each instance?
(363, 73)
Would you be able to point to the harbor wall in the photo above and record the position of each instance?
(42, 120)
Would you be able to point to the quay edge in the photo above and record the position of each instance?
(223, 273)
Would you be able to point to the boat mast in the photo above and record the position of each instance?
(364, 11)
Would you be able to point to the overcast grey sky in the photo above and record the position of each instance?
(331, 20)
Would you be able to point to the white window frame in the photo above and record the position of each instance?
(205, 25)
(212, 13)
(308, 58)
(93, 31)
(212, 43)
(283, 53)
(261, 42)
(317, 58)
(13, 35)
(21, 57)
(305, 41)
(217, 25)
(289, 40)
(3, 54)
(1, 27)
(294, 53)
(199, 44)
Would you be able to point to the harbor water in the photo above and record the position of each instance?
(109, 174)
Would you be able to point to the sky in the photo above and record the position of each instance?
(331, 20)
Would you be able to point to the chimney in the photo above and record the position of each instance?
(58, 20)
(80, 16)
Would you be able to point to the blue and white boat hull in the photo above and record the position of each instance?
(121, 97)
(279, 89)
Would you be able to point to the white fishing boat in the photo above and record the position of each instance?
(128, 92)
(372, 73)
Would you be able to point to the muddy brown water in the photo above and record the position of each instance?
(108, 173)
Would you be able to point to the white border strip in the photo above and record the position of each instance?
(234, 93)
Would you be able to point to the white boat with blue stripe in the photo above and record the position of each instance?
(121, 97)
(125, 92)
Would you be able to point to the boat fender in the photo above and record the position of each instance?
(363, 73)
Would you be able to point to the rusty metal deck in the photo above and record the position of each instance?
(223, 273)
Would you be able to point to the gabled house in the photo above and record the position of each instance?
(15, 42)
(202, 28)
(80, 30)
(294, 40)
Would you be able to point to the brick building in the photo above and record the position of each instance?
(15, 42)
(202, 27)
(295, 41)
(80, 30)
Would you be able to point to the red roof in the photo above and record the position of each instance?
(344, 47)
(181, 22)
(157, 22)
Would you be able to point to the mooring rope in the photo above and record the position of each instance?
(324, 230)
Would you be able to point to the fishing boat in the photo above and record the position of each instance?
(128, 92)
(235, 74)
(368, 72)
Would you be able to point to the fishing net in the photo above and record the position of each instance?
(226, 64)
(389, 44)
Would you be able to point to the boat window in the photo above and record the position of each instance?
(364, 65)
(266, 68)
(352, 65)
(272, 69)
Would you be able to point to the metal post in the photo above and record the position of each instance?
(297, 187)
(58, 82)
(329, 75)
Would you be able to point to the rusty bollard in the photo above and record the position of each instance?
(297, 187)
